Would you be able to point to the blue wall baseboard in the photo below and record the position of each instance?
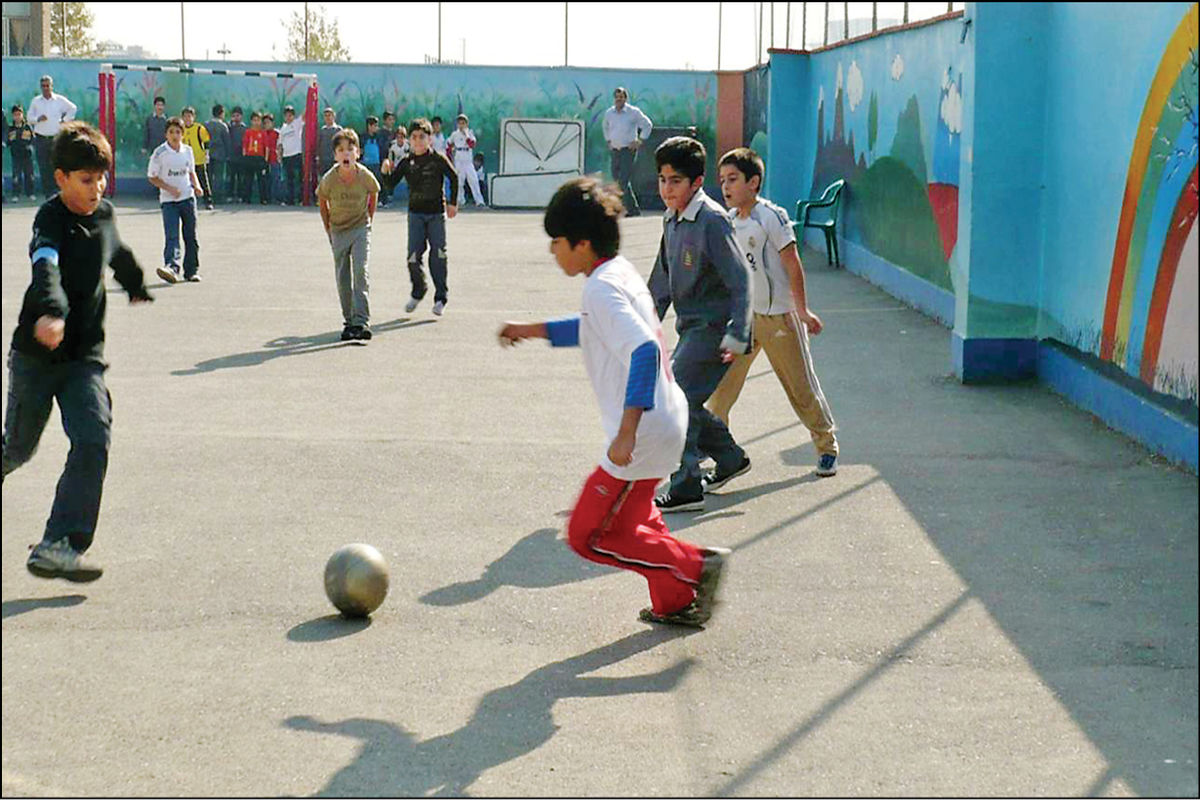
(993, 360)
(1119, 407)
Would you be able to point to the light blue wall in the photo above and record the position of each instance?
(486, 94)
(789, 117)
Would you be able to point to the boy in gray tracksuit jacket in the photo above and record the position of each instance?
(700, 269)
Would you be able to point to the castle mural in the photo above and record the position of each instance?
(902, 176)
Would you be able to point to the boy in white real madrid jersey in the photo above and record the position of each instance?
(782, 319)
(644, 412)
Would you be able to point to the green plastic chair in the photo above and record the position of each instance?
(828, 199)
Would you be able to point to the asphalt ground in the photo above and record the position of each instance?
(996, 595)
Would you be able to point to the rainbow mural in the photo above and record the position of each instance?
(1150, 311)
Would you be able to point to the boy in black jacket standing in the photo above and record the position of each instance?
(426, 171)
(58, 348)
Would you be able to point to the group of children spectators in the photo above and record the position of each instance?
(251, 159)
(238, 162)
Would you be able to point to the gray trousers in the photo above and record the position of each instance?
(351, 249)
(86, 409)
(698, 370)
(622, 171)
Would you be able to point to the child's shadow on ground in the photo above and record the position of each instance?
(509, 722)
(14, 607)
(538, 561)
(292, 346)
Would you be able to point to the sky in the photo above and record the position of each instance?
(636, 35)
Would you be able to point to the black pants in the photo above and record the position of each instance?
(202, 175)
(42, 144)
(86, 409)
(622, 171)
(255, 175)
(293, 173)
(216, 177)
(22, 173)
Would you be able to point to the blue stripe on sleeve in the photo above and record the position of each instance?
(48, 253)
(643, 377)
(563, 332)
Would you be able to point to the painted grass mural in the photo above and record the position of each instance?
(902, 194)
(1150, 313)
(486, 94)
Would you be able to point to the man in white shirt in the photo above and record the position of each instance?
(47, 112)
(291, 150)
(625, 128)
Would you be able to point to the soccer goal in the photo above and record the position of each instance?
(536, 157)
(108, 111)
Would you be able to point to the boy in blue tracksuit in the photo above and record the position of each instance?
(700, 269)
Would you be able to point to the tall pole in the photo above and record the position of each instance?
(845, 20)
(804, 26)
(772, 23)
(760, 32)
(439, 33)
(906, 13)
(306, 31)
(827, 23)
(182, 39)
(874, 17)
(720, 9)
(566, 38)
(787, 36)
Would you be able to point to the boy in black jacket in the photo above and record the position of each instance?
(58, 348)
(426, 171)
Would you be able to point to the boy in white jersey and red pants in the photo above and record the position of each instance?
(644, 412)
(782, 319)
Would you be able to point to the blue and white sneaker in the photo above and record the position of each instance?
(827, 466)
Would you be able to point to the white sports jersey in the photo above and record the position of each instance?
(438, 142)
(617, 317)
(760, 237)
(462, 142)
(173, 167)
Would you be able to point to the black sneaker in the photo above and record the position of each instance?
(347, 333)
(363, 334)
(715, 479)
(690, 615)
(710, 578)
(60, 560)
(667, 501)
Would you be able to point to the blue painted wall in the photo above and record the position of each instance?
(486, 94)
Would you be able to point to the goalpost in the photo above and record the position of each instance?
(108, 111)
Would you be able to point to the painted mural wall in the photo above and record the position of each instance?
(485, 94)
(1120, 262)
(888, 121)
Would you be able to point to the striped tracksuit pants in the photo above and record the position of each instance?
(616, 522)
(785, 338)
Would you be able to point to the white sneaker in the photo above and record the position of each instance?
(411, 305)
(167, 274)
(60, 560)
(438, 308)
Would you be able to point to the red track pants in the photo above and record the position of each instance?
(615, 522)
